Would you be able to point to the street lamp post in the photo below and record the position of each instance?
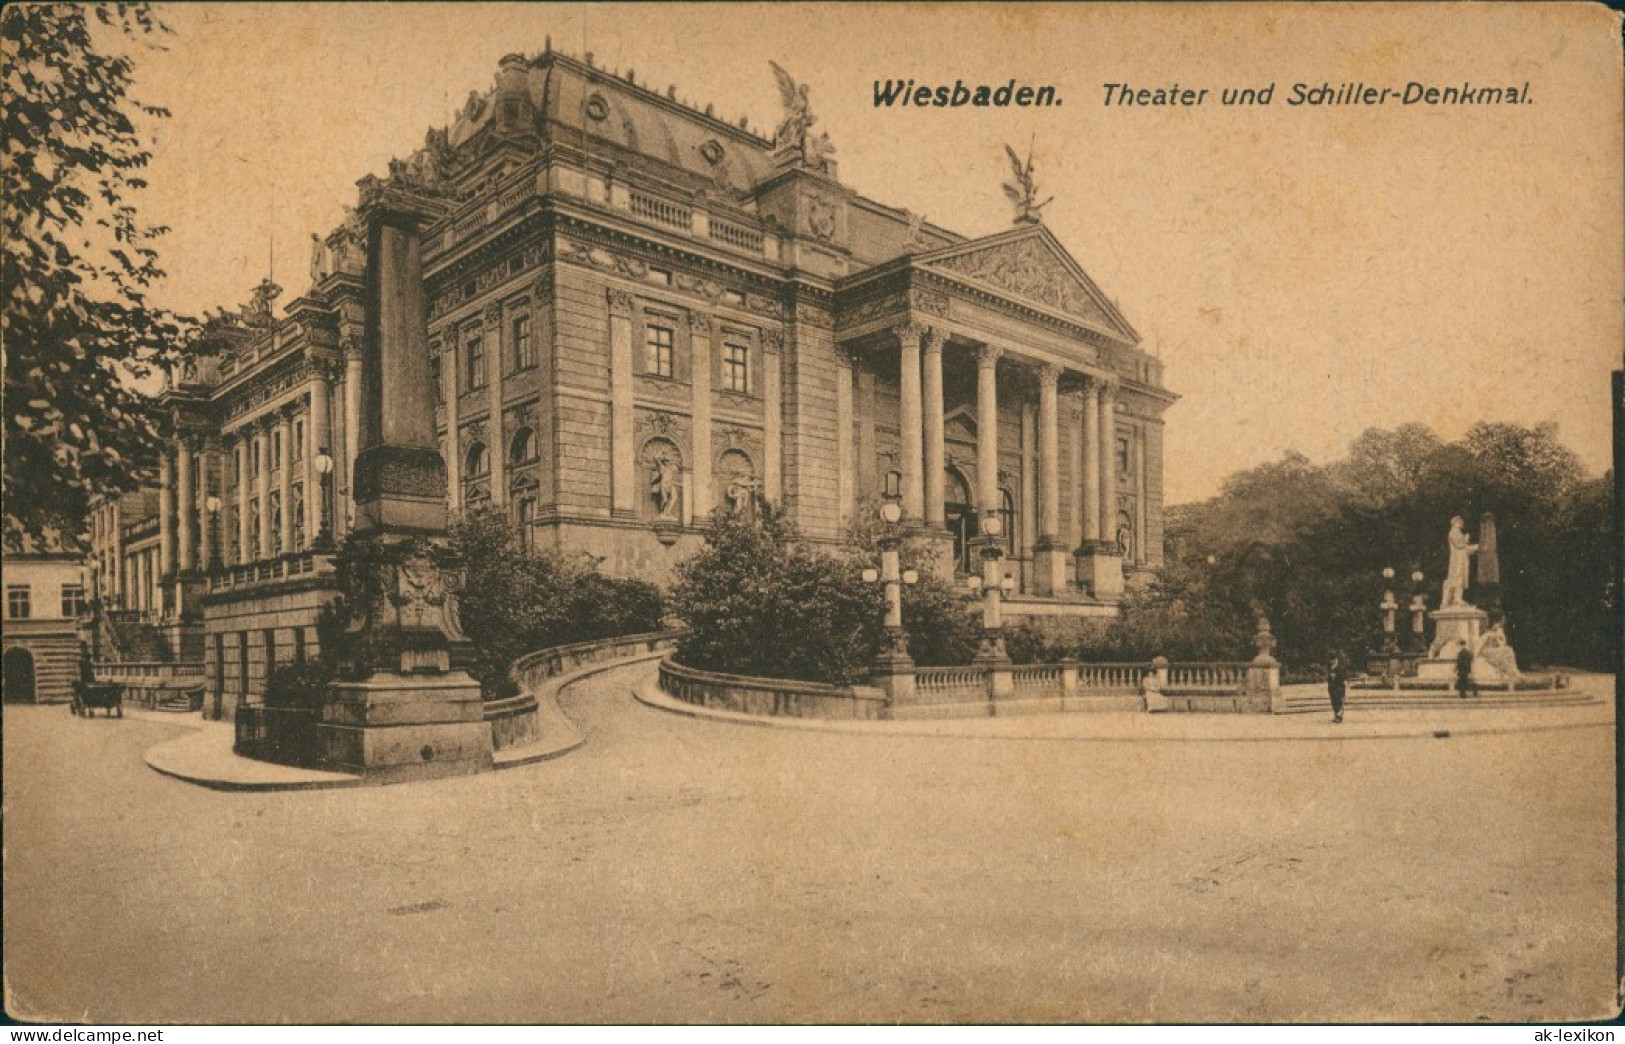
(1390, 640)
(324, 468)
(894, 668)
(1419, 609)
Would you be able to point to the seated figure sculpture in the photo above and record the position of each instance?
(1495, 652)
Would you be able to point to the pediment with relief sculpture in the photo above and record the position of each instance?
(1029, 264)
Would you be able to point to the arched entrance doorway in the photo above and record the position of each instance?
(17, 675)
(960, 518)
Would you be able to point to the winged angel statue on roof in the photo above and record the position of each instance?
(794, 135)
(1024, 191)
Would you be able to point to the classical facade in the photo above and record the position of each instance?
(639, 314)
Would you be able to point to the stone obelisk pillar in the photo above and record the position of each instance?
(402, 711)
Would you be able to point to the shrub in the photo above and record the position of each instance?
(298, 686)
(515, 602)
(756, 601)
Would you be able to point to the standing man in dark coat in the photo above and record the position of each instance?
(1337, 679)
(1464, 672)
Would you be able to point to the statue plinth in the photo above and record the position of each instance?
(1454, 627)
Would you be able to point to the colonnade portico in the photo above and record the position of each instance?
(923, 457)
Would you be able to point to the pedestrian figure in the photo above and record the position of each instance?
(1337, 678)
(1464, 671)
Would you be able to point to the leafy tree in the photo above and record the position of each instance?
(1306, 545)
(77, 323)
(757, 601)
(515, 602)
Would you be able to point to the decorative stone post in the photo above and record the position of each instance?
(1264, 672)
(402, 710)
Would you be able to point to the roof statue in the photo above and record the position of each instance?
(257, 312)
(1024, 191)
(794, 137)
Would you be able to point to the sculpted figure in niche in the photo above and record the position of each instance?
(664, 480)
(1461, 552)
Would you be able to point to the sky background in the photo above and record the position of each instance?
(1305, 273)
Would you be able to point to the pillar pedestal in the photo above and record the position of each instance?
(393, 727)
(1100, 570)
(1049, 568)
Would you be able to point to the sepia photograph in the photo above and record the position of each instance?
(811, 513)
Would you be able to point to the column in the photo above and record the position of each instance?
(935, 452)
(987, 428)
(352, 432)
(120, 591)
(185, 503)
(262, 493)
(207, 530)
(1108, 460)
(911, 422)
(698, 500)
(623, 498)
(1099, 565)
(1075, 503)
(454, 436)
(845, 466)
(166, 515)
(1090, 434)
(1050, 557)
(496, 364)
(1049, 451)
(868, 485)
(318, 439)
(244, 454)
(284, 486)
(772, 418)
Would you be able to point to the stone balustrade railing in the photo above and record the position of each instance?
(513, 720)
(1207, 677)
(771, 696)
(127, 671)
(283, 567)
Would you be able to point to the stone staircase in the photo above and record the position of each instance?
(1312, 699)
(124, 637)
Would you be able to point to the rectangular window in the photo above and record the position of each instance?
(436, 380)
(524, 352)
(18, 604)
(298, 645)
(276, 450)
(254, 458)
(297, 450)
(1122, 458)
(474, 357)
(242, 665)
(736, 367)
(661, 357)
(73, 600)
(270, 651)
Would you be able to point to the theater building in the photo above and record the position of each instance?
(640, 313)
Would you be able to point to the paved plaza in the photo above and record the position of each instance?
(682, 869)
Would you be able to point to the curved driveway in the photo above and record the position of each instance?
(682, 870)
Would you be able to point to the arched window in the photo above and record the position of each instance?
(523, 448)
(478, 461)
